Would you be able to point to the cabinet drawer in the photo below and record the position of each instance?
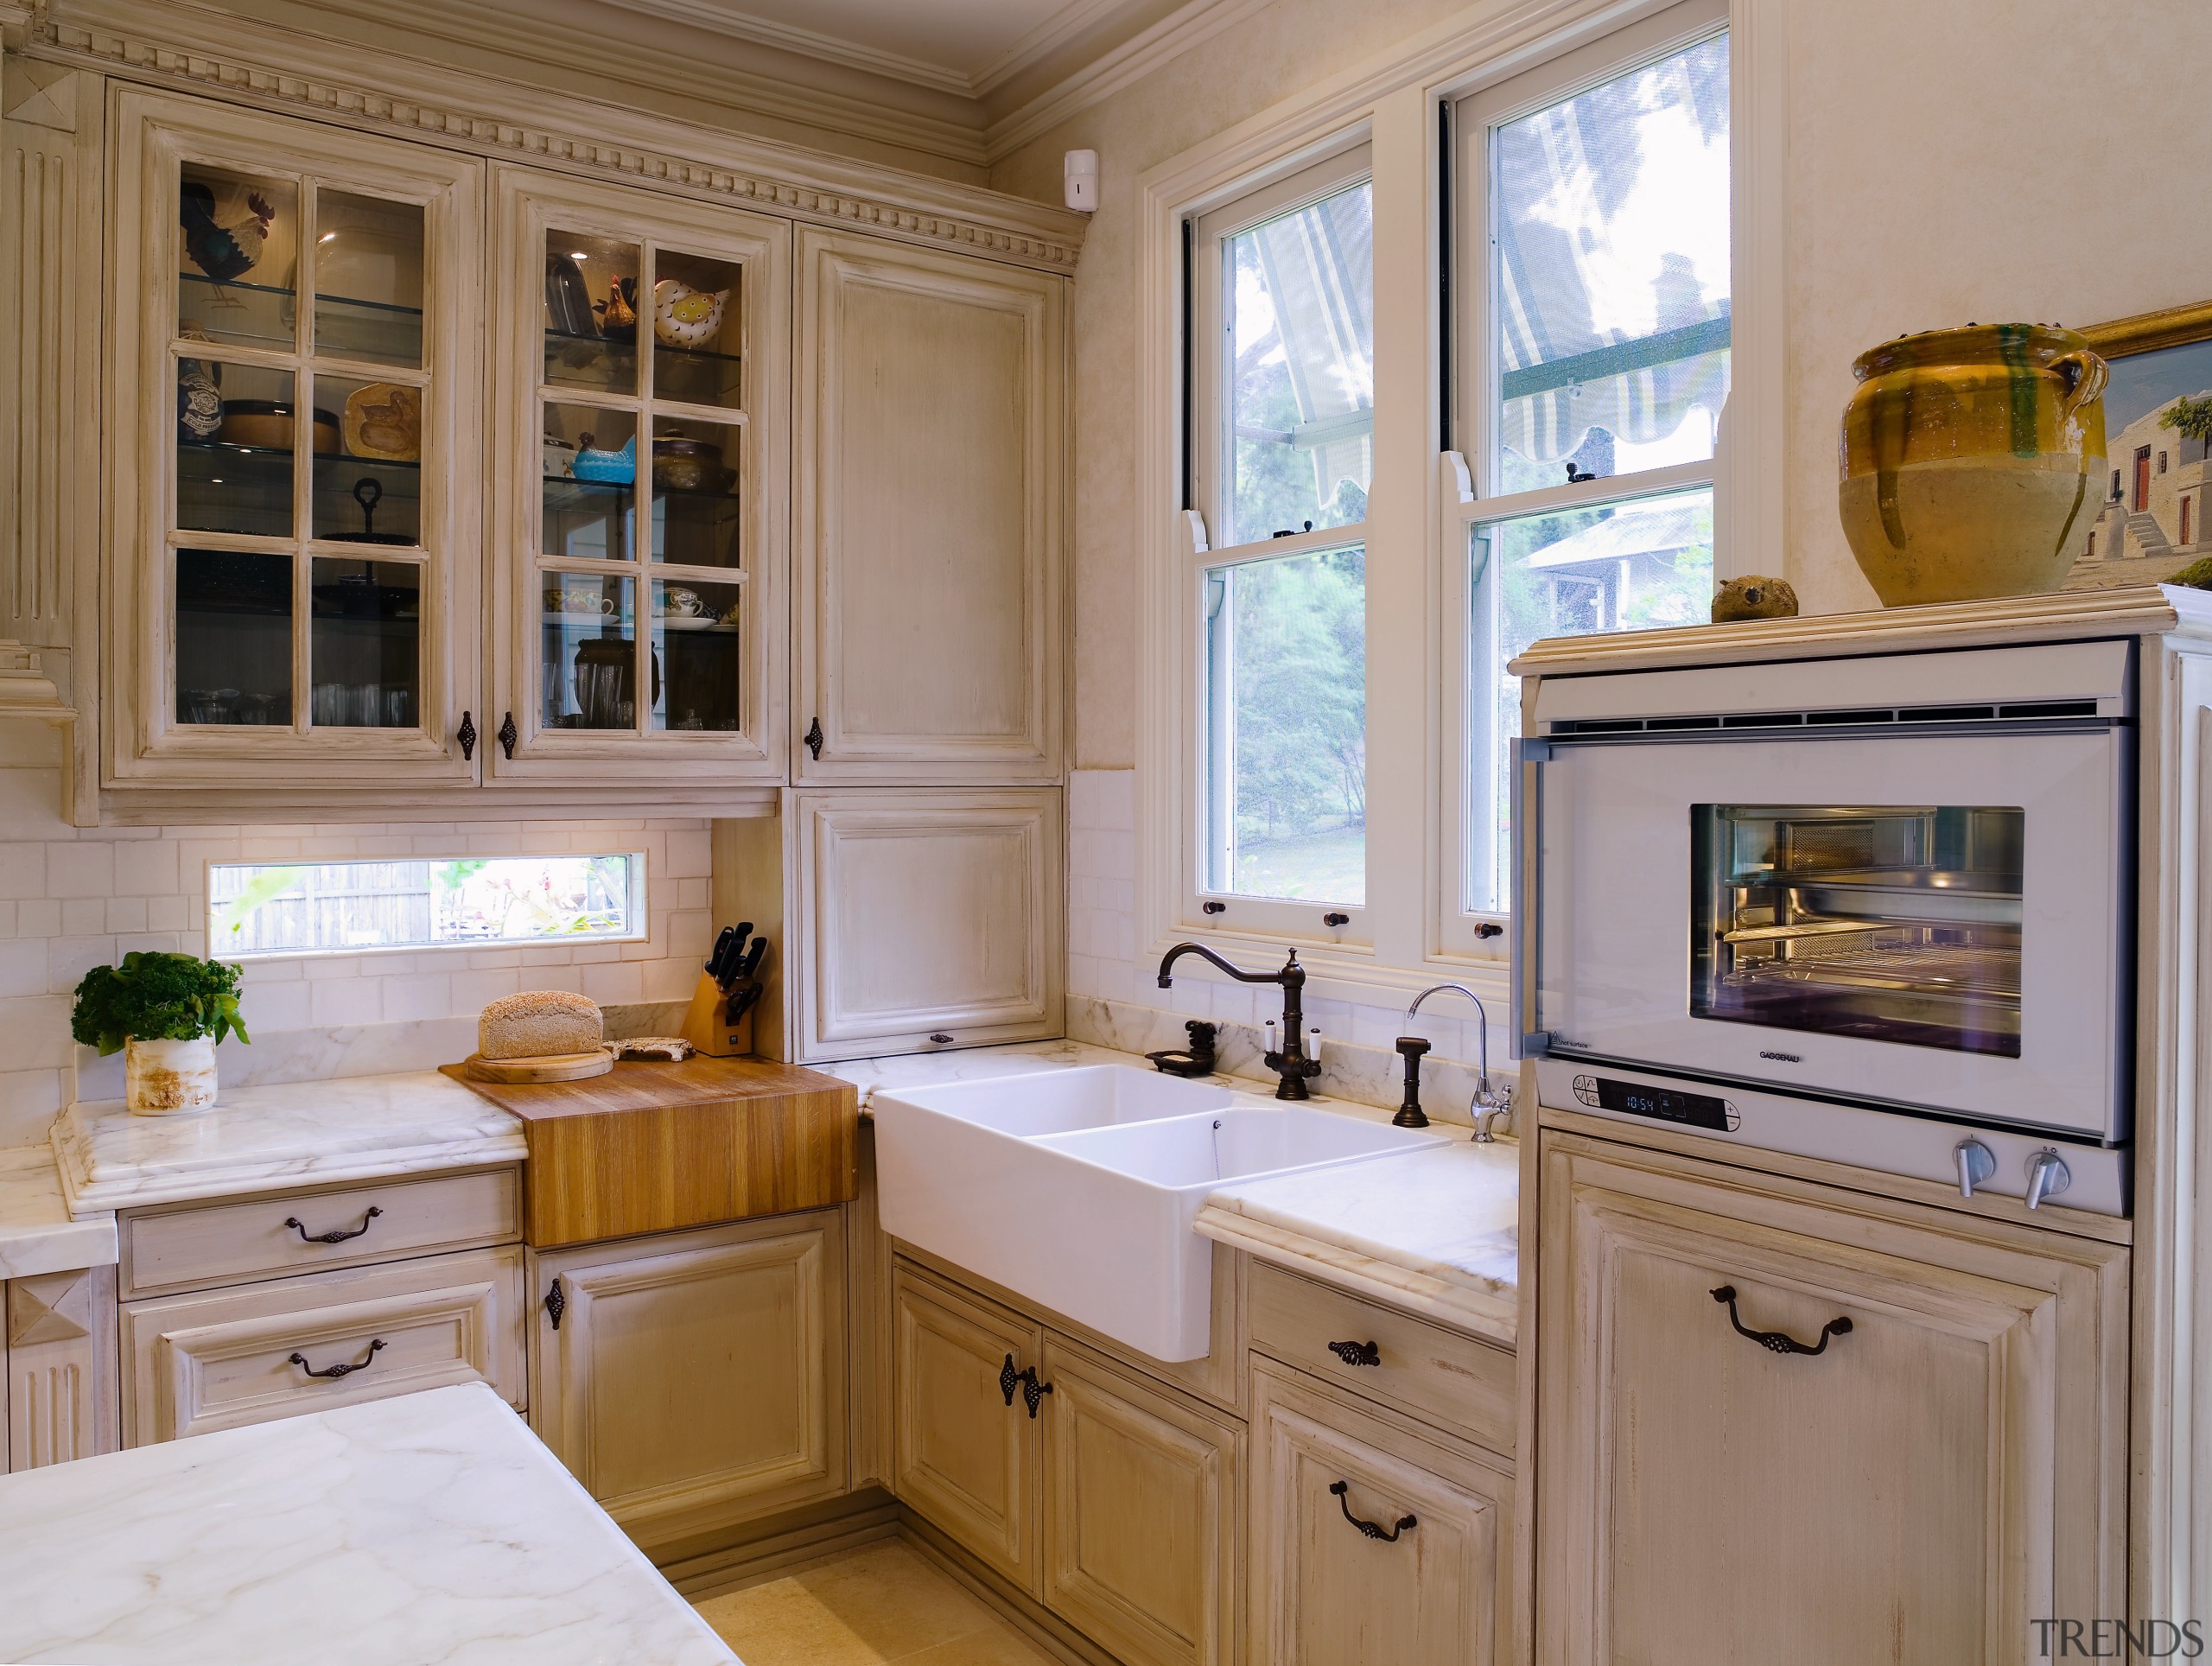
(220, 1359)
(1443, 1376)
(195, 1245)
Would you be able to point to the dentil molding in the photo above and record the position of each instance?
(173, 42)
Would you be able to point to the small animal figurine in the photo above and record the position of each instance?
(222, 251)
(1754, 596)
(685, 317)
(618, 315)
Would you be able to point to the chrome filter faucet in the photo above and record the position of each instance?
(1292, 1067)
(1491, 1106)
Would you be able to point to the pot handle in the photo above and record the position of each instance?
(2085, 375)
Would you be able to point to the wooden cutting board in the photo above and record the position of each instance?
(653, 1146)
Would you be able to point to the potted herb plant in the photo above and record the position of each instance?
(166, 1012)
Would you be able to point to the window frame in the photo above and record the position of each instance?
(1468, 498)
(1392, 100)
(1209, 474)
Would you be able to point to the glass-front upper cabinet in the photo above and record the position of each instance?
(296, 377)
(638, 509)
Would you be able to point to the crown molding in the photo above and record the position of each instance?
(180, 44)
(1184, 29)
(809, 43)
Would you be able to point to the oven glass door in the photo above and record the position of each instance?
(1931, 920)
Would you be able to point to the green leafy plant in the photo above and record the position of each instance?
(157, 998)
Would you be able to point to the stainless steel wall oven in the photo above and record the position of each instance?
(1857, 894)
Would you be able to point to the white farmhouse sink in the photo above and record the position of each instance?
(1077, 1188)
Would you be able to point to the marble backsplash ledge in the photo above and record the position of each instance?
(278, 1057)
(1366, 1075)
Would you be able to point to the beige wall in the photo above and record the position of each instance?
(1963, 159)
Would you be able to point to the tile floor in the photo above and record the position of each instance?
(883, 1602)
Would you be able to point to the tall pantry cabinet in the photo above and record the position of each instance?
(919, 863)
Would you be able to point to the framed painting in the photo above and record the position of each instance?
(2149, 523)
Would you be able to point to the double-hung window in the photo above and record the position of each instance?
(1280, 455)
(1593, 272)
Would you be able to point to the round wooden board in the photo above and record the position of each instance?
(550, 1067)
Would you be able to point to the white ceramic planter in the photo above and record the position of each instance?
(168, 1079)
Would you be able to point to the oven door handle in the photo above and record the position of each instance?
(1526, 805)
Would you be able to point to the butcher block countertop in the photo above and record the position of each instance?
(653, 1147)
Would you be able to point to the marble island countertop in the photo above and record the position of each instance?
(36, 1233)
(261, 1139)
(1435, 1231)
(433, 1527)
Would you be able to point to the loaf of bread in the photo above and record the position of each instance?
(537, 1024)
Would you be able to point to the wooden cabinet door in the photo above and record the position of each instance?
(290, 611)
(927, 599)
(1142, 1491)
(931, 916)
(1947, 1469)
(637, 618)
(1423, 1588)
(695, 1379)
(963, 1447)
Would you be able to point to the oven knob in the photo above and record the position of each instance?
(2047, 1176)
(1977, 1162)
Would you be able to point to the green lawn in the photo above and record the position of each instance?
(1324, 866)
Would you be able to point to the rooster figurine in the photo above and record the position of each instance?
(222, 251)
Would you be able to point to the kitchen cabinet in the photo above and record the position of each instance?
(911, 919)
(1139, 1514)
(217, 1359)
(289, 604)
(58, 1392)
(1422, 1584)
(640, 444)
(694, 1380)
(1111, 1500)
(1955, 1447)
(927, 590)
(963, 1447)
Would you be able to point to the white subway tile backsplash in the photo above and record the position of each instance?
(73, 899)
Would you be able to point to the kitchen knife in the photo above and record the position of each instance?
(722, 946)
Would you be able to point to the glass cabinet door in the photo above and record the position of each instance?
(300, 361)
(641, 516)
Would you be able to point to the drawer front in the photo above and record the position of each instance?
(216, 1360)
(1423, 1368)
(305, 1231)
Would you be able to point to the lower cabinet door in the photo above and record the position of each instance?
(259, 1351)
(1946, 1466)
(963, 1445)
(692, 1380)
(57, 1394)
(1370, 1540)
(1142, 1492)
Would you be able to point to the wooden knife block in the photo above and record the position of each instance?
(707, 1026)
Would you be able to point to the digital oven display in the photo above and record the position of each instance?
(1666, 1104)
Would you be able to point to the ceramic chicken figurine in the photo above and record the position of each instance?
(222, 251)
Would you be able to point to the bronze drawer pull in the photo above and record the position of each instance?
(1357, 1353)
(1009, 1379)
(1033, 1391)
(1372, 1529)
(343, 1368)
(336, 1235)
(1776, 1340)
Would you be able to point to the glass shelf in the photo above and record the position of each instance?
(233, 638)
(239, 314)
(238, 489)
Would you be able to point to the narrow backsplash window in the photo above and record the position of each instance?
(350, 907)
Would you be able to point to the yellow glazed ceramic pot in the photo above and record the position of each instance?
(1969, 458)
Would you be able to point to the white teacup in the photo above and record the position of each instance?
(679, 603)
(580, 602)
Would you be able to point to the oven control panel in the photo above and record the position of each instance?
(1663, 1104)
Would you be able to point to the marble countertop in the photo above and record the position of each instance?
(1436, 1231)
(36, 1233)
(261, 1139)
(433, 1527)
